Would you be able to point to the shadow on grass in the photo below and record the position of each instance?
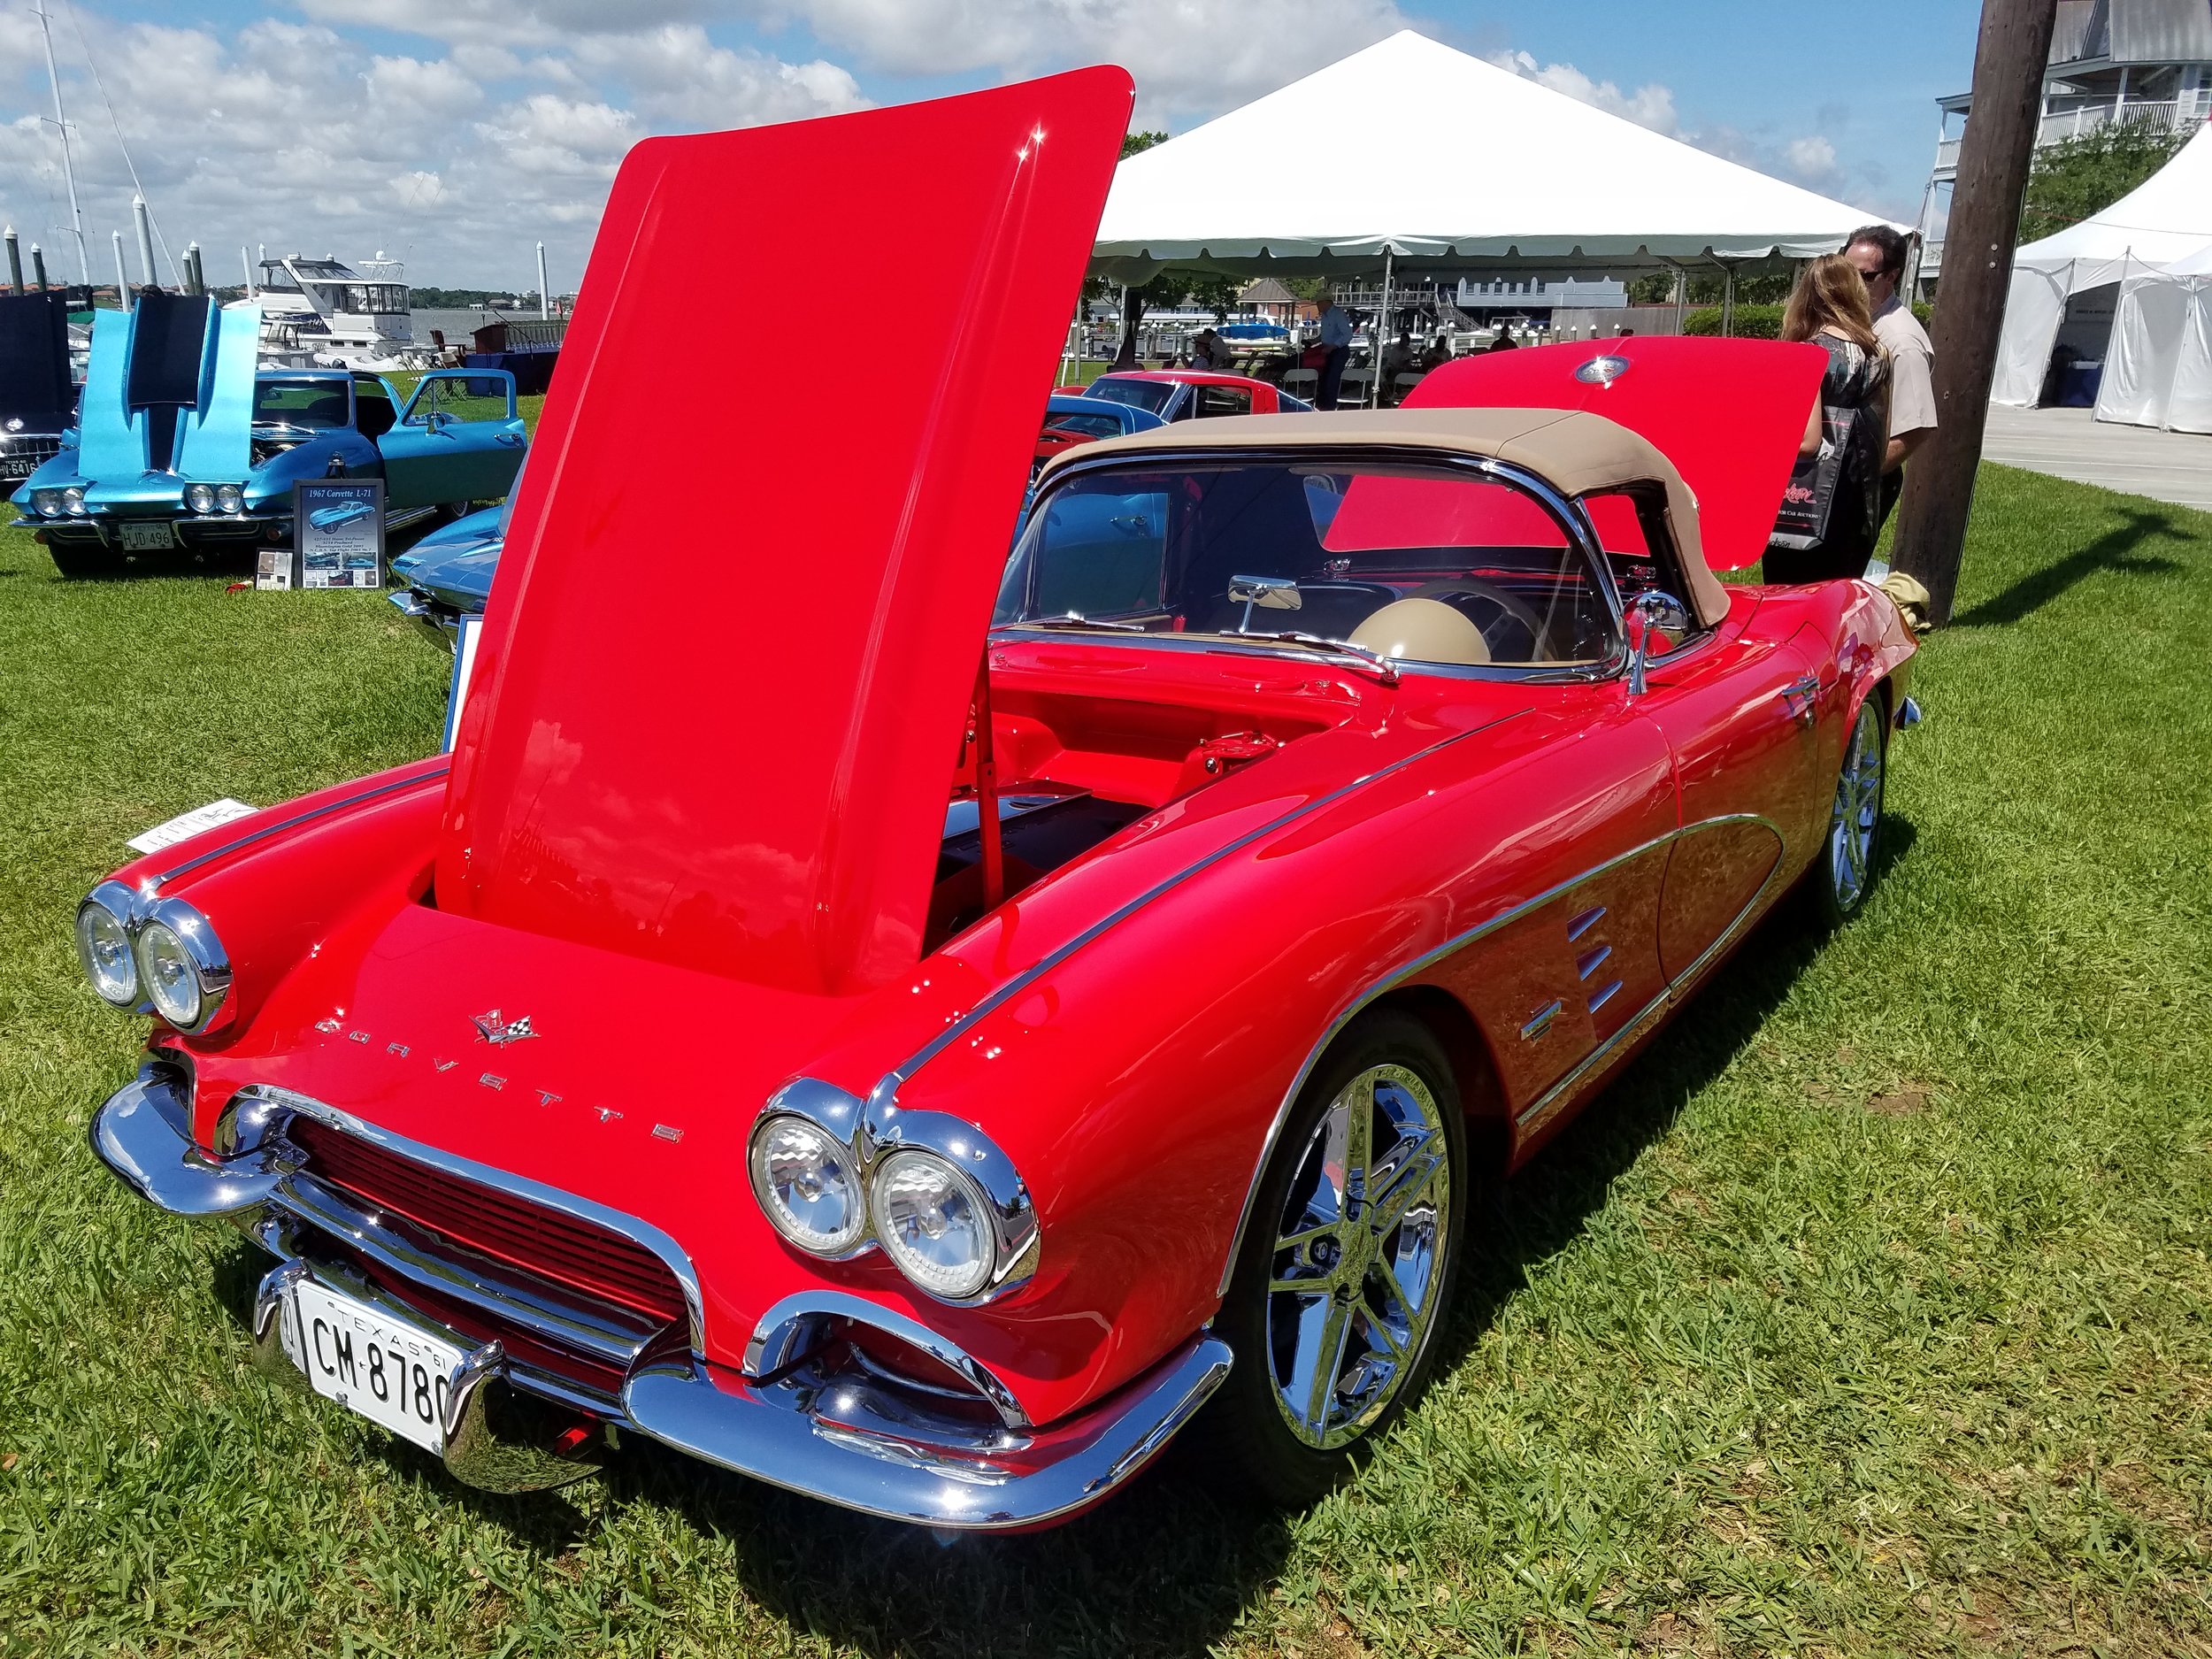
(1542, 1208)
(229, 564)
(2112, 551)
(1168, 1565)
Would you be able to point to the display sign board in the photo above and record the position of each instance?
(338, 532)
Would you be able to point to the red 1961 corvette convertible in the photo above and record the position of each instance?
(919, 1057)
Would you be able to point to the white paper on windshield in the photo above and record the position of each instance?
(187, 825)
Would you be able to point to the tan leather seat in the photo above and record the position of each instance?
(1423, 631)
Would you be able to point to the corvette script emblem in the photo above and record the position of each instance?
(491, 1029)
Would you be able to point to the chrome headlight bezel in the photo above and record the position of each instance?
(874, 1134)
(118, 906)
(196, 942)
(199, 499)
(230, 498)
(903, 1255)
(760, 1152)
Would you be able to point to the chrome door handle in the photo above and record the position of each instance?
(1808, 688)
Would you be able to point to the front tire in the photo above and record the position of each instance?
(1346, 1263)
(1844, 873)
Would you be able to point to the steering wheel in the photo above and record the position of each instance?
(1512, 604)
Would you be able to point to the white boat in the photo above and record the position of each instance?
(319, 313)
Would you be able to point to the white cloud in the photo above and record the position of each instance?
(296, 134)
(501, 24)
(680, 82)
(1650, 106)
(408, 88)
(1811, 160)
(1189, 59)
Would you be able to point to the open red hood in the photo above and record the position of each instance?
(1729, 413)
(737, 623)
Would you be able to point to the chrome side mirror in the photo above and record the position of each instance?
(1268, 593)
(1649, 615)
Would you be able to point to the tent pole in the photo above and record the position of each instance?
(1727, 300)
(1382, 326)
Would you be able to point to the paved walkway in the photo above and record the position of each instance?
(2174, 466)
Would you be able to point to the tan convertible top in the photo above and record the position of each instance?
(1576, 453)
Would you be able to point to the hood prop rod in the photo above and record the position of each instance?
(987, 828)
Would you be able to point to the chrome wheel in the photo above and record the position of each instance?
(1357, 1267)
(1857, 810)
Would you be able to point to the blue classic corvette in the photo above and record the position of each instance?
(448, 574)
(179, 443)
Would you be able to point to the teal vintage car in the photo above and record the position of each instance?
(181, 445)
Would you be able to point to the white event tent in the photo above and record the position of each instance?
(2158, 368)
(1414, 155)
(2135, 243)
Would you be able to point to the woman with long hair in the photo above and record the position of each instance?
(1832, 512)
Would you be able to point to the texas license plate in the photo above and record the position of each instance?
(391, 1373)
(18, 465)
(142, 538)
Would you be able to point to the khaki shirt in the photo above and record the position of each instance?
(1912, 406)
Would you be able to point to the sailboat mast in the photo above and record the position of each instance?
(68, 169)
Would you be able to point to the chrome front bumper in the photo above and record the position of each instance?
(854, 1436)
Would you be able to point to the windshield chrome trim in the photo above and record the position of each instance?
(1565, 509)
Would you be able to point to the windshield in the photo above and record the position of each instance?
(318, 404)
(1097, 426)
(1147, 394)
(1417, 562)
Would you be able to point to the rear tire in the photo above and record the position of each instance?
(1364, 1201)
(1844, 873)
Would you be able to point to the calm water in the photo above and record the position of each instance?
(458, 325)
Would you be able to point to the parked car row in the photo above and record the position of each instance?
(179, 444)
(448, 574)
(920, 1027)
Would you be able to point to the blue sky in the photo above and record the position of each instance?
(457, 132)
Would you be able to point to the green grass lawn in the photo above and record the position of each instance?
(1868, 1314)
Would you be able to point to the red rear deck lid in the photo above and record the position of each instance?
(1729, 413)
(736, 625)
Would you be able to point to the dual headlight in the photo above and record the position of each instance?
(59, 503)
(936, 1221)
(162, 953)
(204, 498)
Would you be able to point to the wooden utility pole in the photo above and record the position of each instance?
(1970, 314)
